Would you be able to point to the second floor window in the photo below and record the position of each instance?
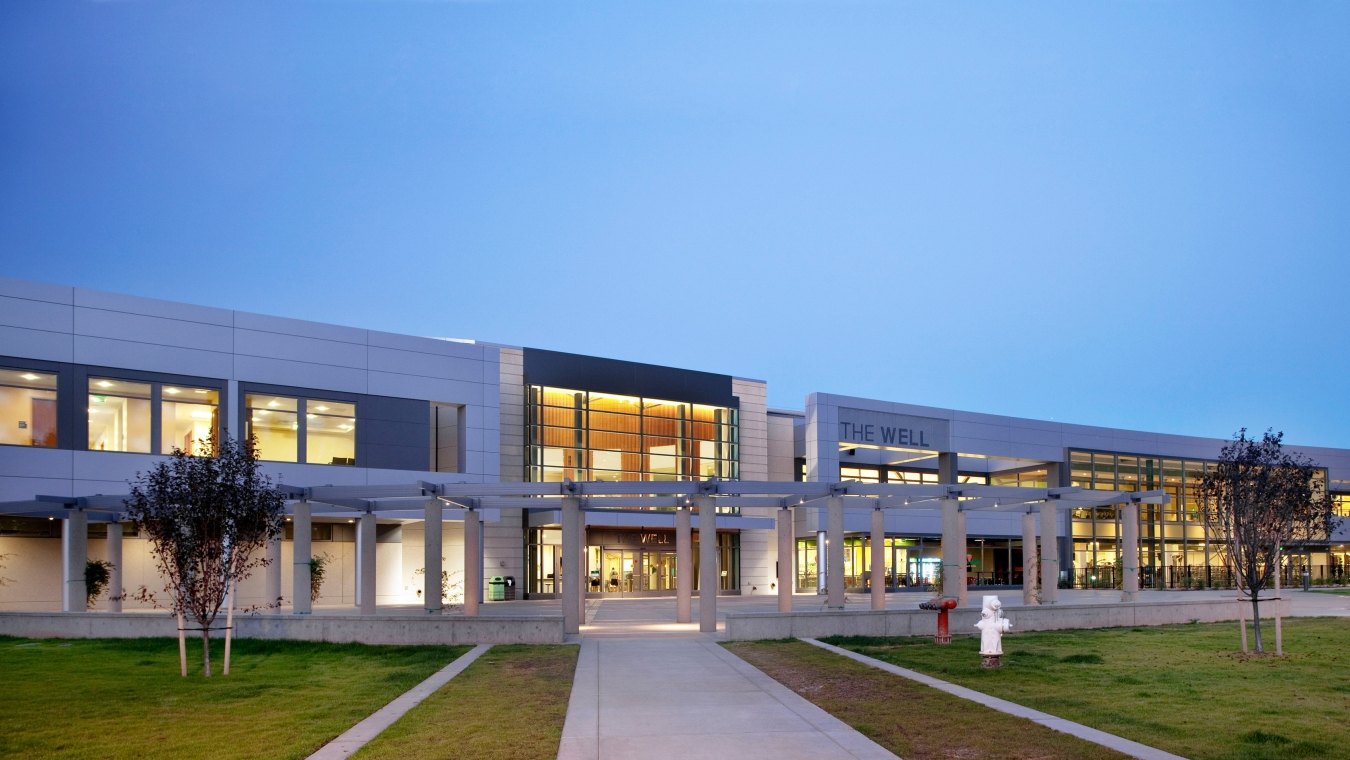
(298, 429)
(150, 417)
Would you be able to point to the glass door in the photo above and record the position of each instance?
(658, 571)
(616, 571)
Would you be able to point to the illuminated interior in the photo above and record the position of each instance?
(119, 415)
(328, 429)
(27, 408)
(601, 436)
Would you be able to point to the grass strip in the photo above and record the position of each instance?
(907, 718)
(510, 703)
(1183, 688)
(123, 698)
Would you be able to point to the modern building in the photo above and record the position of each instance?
(97, 387)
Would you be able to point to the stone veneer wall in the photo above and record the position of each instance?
(504, 541)
(759, 550)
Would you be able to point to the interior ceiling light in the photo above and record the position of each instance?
(30, 376)
(104, 384)
(172, 391)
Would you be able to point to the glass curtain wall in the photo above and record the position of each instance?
(1174, 551)
(586, 435)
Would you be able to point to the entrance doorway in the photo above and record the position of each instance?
(626, 571)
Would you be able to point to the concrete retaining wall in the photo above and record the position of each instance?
(441, 629)
(772, 625)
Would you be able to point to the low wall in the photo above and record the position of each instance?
(374, 629)
(751, 626)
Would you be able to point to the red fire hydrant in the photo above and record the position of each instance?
(942, 605)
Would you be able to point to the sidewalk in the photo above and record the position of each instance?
(684, 696)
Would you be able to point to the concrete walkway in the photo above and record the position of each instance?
(684, 696)
(1087, 733)
(357, 736)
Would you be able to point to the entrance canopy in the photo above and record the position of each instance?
(406, 501)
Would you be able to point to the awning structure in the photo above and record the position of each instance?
(713, 501)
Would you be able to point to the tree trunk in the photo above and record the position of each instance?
(205, 649)
(1256, 623)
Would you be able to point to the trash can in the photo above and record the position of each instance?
(496, 589)
(1307, 579)
(510, 587)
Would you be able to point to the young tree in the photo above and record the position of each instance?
(1257, 499)
(207, 517)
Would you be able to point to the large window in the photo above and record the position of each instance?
(602, 436)
(27, 408)
(323, 433)
(150, 417)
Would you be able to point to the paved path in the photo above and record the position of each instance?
(684, 696)
(357, 736)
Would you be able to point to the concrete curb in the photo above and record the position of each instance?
(1087, 733)
(359, 735)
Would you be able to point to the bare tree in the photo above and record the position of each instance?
(207, 517)
(1257, 499)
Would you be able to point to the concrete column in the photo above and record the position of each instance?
(707, 561)
(821, 570)
(74, 556)
(572, 597)
(1049, 554)
(300, 551)
(583, 573)
(834, 552)
(1129, 548)
(272, 575)
(1029, 566)
(684, 566)
(953, 551)
(365, 563)
(473, 561)
(947, 471)
(433, 516)
(786, 560)
(878, 559)
(113, 551)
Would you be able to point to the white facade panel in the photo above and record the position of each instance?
(37, 291)
(137, 328)
(152, 307)
(35, 315)
(106, 352)
(301, 348)
(425, 365)
(36, 344)
(282, 372)
(300, 328)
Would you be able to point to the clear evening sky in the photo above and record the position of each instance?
(1125, 214)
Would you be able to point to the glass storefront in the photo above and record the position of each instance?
(625, 562)
(913, 562)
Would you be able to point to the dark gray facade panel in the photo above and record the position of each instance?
(389, 409)
(384, 433)
(388, 457)
(590, 373)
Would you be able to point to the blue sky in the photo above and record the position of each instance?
(1125, 214)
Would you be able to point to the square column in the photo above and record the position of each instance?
(1129, 566)
(1049, 554)
(684, 566)
(953, 551)
(113, 552)
(74, 556)
(707, 570)
(1029, 566)
(433, 516)
(365, 563)
(878, 559)
(473, 561)
(272, 574)
(300, 551)
(572, 599)
(786, 557)
(834, 552)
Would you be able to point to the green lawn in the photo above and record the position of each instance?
(1338, 591)
(1184, 689)
(123, 698)
(510, 703)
